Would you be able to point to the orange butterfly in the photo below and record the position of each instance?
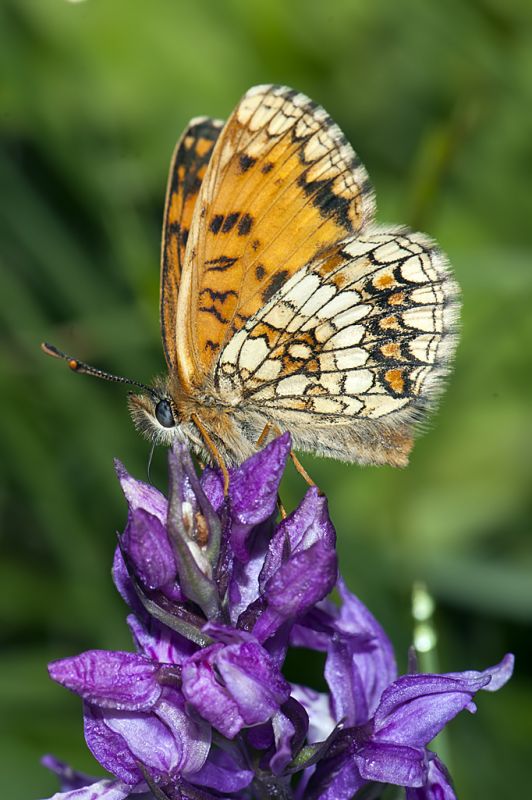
(284, 306)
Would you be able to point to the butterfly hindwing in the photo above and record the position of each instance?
(187, 170)
(365, 331)
(283, 185)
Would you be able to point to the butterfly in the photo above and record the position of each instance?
(284, 306)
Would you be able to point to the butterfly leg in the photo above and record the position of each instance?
(213, 450)
(264, 435)
(296, 462)
(301, 469)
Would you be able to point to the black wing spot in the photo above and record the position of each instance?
(214, 346)
(221, 296)
(326, 201)
(191, 184)
(213, 310)
(244, 226)
(260, 272)
(216, 223)
(230, 221)
(274, 285)
(206, 129)
(220, 264)
(267, 167)
(246, 162)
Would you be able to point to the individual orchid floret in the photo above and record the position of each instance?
(194, 531)
(134, 714)
(234, 683)
(172, 546)
(300, 567)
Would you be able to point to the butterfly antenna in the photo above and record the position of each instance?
(86, 369)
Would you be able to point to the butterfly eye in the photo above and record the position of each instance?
(163, 413)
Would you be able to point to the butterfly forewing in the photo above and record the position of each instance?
(281, 187)
(187, 170)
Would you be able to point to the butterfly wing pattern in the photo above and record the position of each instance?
(187, 170)
(351, 351)
(295, 309)
(282, 184)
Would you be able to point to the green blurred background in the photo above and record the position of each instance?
(437, 100)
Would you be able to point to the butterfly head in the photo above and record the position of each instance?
(152, 410)
(154, 414)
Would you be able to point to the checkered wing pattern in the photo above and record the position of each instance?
(363, 332)
(282, 185)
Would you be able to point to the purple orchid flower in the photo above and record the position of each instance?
(234, 683)
(387, 721)
(218, 593)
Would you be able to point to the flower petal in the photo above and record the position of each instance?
(244, 588)
(300, 583)
(123, 741)
(415, 708)
(251, 676)
(123, 583)
(438, 784)
(141, 495)
(375, 664)
(109, 679)
(157, 642)
(208, 696)
(283, 731)
(308, 524)
(498, 675)
(146, 542)
(69, 778)
(224, 771)
(335, 778)
(110, 748)
(318, 626)
(290, 726)
(248, 691)
(253, 491)
(348, 691)
(101, 790)
(391, 763)
(192, 736)
(212, 484)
